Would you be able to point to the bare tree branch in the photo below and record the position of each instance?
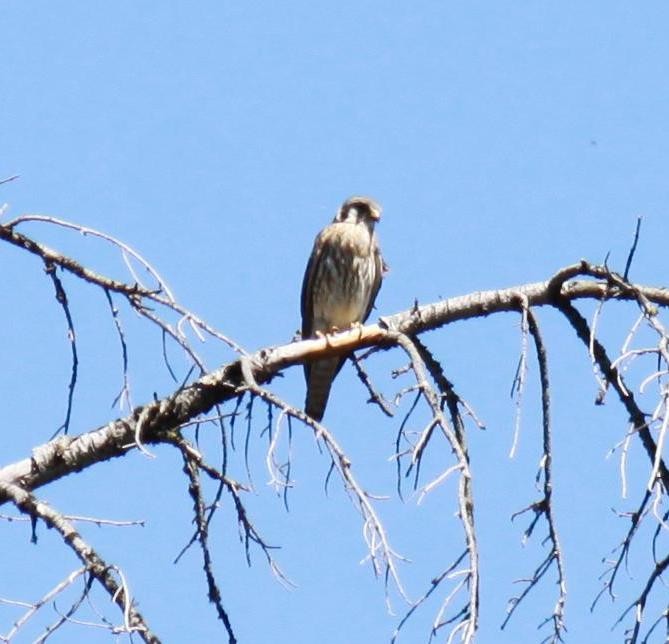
(382, 555)
(33, 608)
(70, 454)
(614, 378)
(467, 617)
(544, 507)
(192, 471)
(161, 421)
(95, 565)
(134, 293)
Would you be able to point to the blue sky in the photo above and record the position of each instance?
(504, 140)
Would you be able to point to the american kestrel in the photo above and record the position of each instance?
(340, 285)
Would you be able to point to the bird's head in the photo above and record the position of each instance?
(357, 210)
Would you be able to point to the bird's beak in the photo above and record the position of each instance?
(375, 214)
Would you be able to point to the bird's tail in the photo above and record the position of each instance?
(320, 375)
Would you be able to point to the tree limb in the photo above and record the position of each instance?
(68, 454)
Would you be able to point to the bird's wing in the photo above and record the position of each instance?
(379, 268)
(306, 300)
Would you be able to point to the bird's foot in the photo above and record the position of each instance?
(357, 325)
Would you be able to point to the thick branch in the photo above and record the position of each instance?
(154, 421)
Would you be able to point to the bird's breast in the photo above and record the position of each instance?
(345, 274)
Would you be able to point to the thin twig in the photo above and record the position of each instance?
(8, 179)
(33, 608)
(375, 396)
(545, 505)
(123, 395)
(630, 256)
(623, 550)
(519, 380)
(61, 298)
(67, 616)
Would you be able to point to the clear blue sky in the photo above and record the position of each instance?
(504, 140)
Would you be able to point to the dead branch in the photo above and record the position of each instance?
(66, 454)
(382, 555)
(639, 604)
(95, 565)
(61, 298)
(192, 471)
(135, 293)
(160, 421)
(467, 617)
(33, 608)
(544, 507)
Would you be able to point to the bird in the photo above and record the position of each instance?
(341, 282)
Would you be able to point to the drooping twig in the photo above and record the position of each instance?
(467, 617)
(248, 531)
(623, 549)
(398, 447)
(518, 384)
(637, 417)
(381, 554)
(375, 396)
(191, 470)
(61, 298)
(544, 507)
(123, 395)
